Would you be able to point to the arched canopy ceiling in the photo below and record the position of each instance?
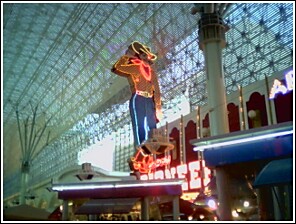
(57, 56)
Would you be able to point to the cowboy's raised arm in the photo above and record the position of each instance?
(124, 67)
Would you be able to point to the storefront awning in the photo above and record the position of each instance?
(262, 143)
(109, 205)
(274, 173)
(118, 189)
(25, 212)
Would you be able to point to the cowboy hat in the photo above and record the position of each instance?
(138, 48)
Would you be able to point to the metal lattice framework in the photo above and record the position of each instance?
(58, 56)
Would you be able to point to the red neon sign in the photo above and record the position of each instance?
(196, 173)
(146, 163)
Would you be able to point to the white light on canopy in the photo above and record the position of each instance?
(80, 187)
(242, 140)
(98, 185)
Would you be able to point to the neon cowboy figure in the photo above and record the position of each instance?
(145, 102)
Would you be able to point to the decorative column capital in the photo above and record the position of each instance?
(211, 29)
(25, 166)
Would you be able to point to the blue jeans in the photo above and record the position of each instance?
(143, 115)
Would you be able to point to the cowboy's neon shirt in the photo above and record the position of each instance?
(140, 76)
